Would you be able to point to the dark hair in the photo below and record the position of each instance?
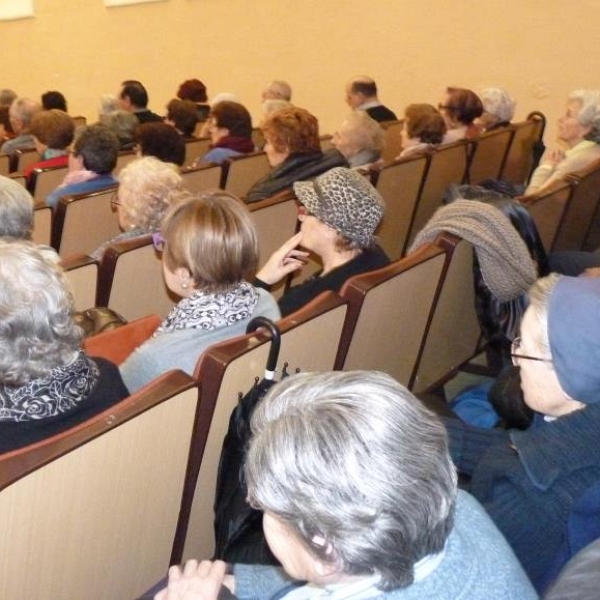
(192, 89)
(425, 123)
(54, 99)
(54, 128)
(184, 115)
(366, 88)
(464, 105)
(5, 119)
(161, 140)
(233, 116)
(136, 92)
(293, 130)
(99, 147)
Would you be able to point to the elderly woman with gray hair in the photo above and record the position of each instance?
(579, 130)
(147, 189)
(47, 383)
(498, 109)
(16, 211)
(360, 501)
(360, 139)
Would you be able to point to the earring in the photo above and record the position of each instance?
(184, 285)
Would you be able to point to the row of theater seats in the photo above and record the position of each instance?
(132, 489)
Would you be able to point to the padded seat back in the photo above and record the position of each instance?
(45, 181)
(42, 225)
(195, 149)
(520, 157)
(200, 179)
(489, 154)
(393, 139)
(82, 273)
(240, 173)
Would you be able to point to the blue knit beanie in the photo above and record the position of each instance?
(574, 335)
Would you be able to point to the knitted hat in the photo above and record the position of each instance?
(344, 200)
(574, 336)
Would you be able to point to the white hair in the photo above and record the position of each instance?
(279, 90)
(16, 210)
(354, 464)
(589, 114)
(498, 104)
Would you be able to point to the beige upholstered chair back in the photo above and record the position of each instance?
(124, 158)
(42, 225)
(489, 154)
(242, 172)
(389, 310)
(200, 179)
(91, 513)
(310, 340)
(26, 157)
(195, 149)
(82, 273)
(4, 164)
(393, 139)
(519, 160)
(46, 181)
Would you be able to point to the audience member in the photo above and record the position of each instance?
(20, 113)
(498, 109)
(133, 98)
(183, 115)
(109, 103)
(54, 100)
(210, 249)
(424, 128)
(160, 140)
(360, 501)
(339, 214)
(91, 163)
(579, 130)
(47, 383)
(278, 90)
(529, 481)
(195, 91)
(361, 94)
(16, 211)
(52, 132)
(360, 139)
(230, 129)
(460, 107)
(7, 97)
(147, 188)
(293, 150)
(271, 106)
(123, 124)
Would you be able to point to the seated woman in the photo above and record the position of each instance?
(360, 501)
(460, 107)
(52, 132)
(195, 91)
(230, 130)
(293, 150)
(360, 139)
(424, 128)
(529, 481)
(498, 109)
(47, 383)
(339, 214)
(579, 130)
(160, 140)
(210, 249)
(91, 163)
(123, 124)
(147, 189)
(182, 115)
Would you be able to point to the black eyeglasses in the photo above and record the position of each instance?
(516, 355)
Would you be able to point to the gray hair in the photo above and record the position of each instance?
(272, 105)
(279, 90)
(24, 109)
(7, 97)
(367, 133)
(358, 469)
(498, 104)
(109, 103)
(37, 331)
(146, 190)
(16, 210)
(589, 114)
(539, 300)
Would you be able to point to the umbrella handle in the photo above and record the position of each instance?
(275, 342)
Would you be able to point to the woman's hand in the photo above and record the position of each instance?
(284, 261)
(196, 582)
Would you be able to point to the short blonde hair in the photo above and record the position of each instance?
(213, 237)
(366, 132)
(147, 187)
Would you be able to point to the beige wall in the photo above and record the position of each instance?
(413, 48)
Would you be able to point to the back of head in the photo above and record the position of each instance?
(37, 331)
(294, 130)
(161, 140)
(54, 128)
(357, 467)
(147, 187)
(365, 131)
(271, 105)
(55, 100)
(16, 210)
(233, 116)
(184, 115)
(24, 110)
(365, 86)
(425, 123)
(212, 236)
(193, 90)
(136, 93)
(278, 90)
(589, 114)
(498, 103)
(464, 105)
(99, 148)
(122, 123)
(109, 103)
(7, 97)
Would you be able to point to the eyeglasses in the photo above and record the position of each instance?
(158, 241)
(114, 200)
(516, 355)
